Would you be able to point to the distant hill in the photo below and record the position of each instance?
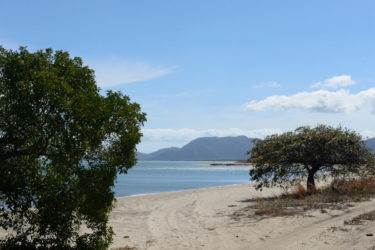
(212, 149)
(371, 144)
(204, 149)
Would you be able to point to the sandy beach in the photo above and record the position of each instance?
(203, 219)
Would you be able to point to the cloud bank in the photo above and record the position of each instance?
(335, 82)
(340, 101)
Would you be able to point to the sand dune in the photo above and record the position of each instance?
(203, 219)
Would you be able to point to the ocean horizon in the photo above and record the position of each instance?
(151, 177)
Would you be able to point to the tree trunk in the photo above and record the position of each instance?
(311, 188)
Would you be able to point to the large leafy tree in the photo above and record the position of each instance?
(280, 159)
(62, 145)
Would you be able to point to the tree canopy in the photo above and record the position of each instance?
(62, 145)
(307, 151)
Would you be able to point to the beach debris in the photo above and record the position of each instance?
(238, 213)
(360, 219)
(126, 236)
(150, 241)
(232, 205)
(343, 229)
(369, 234)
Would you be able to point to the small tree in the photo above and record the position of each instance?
(62, 145)
(307, 151)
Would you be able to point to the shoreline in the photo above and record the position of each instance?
(204, 162)
(179, 191)
(245, 164)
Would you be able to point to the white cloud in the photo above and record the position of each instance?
(122, 72)
(266, 85)
(340, 101)
(191, 134)
(367, 134)
(335, 82)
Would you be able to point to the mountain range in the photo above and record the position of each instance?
(204, 149)
(212, 149)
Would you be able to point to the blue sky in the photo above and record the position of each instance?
(216, 68)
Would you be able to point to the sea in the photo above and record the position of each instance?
(149, 177)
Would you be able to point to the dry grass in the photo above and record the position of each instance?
(124, 248)
(338, 195)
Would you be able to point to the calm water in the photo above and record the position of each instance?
(166, 176)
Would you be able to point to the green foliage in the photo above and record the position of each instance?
(62, 145)
(280, 159)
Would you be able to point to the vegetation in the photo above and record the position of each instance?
(62, 145)
(337, 195)
(305, 152)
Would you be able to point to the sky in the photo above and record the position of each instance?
(216, 68)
